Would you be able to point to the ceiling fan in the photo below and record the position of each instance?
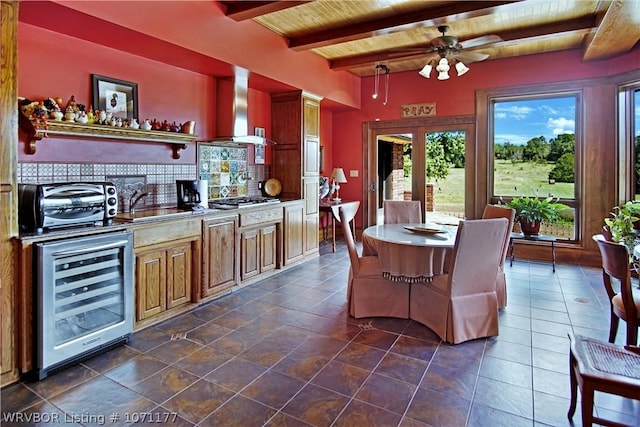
(448, 51)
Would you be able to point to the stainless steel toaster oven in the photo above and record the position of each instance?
(47, 206)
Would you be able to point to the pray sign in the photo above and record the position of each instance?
(418, 110)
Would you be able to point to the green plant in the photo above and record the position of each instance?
(621, 223)
(536, 209)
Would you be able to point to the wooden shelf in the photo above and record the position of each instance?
(36, 132)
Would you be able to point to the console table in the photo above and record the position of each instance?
(327, 208)
(541, 238)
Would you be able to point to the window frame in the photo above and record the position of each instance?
(546, 91)
(626, 109)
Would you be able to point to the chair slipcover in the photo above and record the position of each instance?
(368, 293)
(492, 211)
(463, 304)
(402, 212)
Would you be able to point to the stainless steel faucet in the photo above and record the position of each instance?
(135, 198)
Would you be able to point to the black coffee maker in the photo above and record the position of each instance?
(188, 195)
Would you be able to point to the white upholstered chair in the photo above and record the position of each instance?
(493, 211)
(463, 305)
(402, 211)
(368, 293)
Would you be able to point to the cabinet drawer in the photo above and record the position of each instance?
(259, 216)
(167, 231)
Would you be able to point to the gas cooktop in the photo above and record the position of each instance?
(240, 202)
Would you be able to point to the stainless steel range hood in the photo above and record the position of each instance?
(232, 111)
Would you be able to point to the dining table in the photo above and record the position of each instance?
(410, 253)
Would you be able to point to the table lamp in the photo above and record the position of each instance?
(338, 178)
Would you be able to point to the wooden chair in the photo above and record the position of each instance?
(598, 366)
(623, 304)
(493, 211)
(462, 305)
(402, 211)
(368, 293)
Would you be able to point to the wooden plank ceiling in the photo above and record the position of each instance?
(354, 35)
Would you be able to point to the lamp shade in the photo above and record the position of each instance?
(442, 69)
(461, 68)
(426, 71)
(338, 175)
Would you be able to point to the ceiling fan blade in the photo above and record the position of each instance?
(479, 41)
(468, 57)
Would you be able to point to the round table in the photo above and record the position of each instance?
(406, 255)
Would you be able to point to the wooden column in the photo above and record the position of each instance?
(8, 183)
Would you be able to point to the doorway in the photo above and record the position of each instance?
(382, 174)
(394, 170)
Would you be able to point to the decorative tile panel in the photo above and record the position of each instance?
(225, 168)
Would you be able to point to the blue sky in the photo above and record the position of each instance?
(519, 121)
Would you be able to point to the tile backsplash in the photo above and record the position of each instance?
(159, 179)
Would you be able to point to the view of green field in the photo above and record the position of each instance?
(511, 179)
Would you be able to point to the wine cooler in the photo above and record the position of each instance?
(84, 293)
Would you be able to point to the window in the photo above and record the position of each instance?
(535, 152)
(629, 125)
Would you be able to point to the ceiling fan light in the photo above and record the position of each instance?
(426, 71)
(461, 68)
(443, 66)
(443, 75)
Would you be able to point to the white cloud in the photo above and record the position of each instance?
(514, 112)
(561, 125)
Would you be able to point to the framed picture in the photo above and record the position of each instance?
(115, 96)
(259, 154)
(259, 149)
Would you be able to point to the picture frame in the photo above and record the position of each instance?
(259, 149)
(259, 154)
(115, 96)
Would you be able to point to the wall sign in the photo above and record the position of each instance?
(418, 110)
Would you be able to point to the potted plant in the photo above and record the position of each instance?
(622, 223)
(532, 211)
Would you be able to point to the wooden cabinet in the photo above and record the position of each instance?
(167, 269)
(312, 214)
(9, 271)
(163, 279)
(258, 254)
(294, 223)
(220, 257)
(295, 123)
(259, 242)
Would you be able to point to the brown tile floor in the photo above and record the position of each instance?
(285, 352)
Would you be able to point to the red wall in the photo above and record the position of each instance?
(456, 96)
(52, 64)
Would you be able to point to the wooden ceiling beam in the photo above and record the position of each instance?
(436, 15)
(243, 10)
(617, 33)
(508, 37)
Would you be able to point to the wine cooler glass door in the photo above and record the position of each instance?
(85, 294)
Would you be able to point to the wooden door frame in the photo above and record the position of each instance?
(417, 126)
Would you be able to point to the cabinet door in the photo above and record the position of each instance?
(311, 137)
(268, 248)
(220, 256)
(312, 214)
(151, 283)
(179, 262)
(293, 233)
(250, 255)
